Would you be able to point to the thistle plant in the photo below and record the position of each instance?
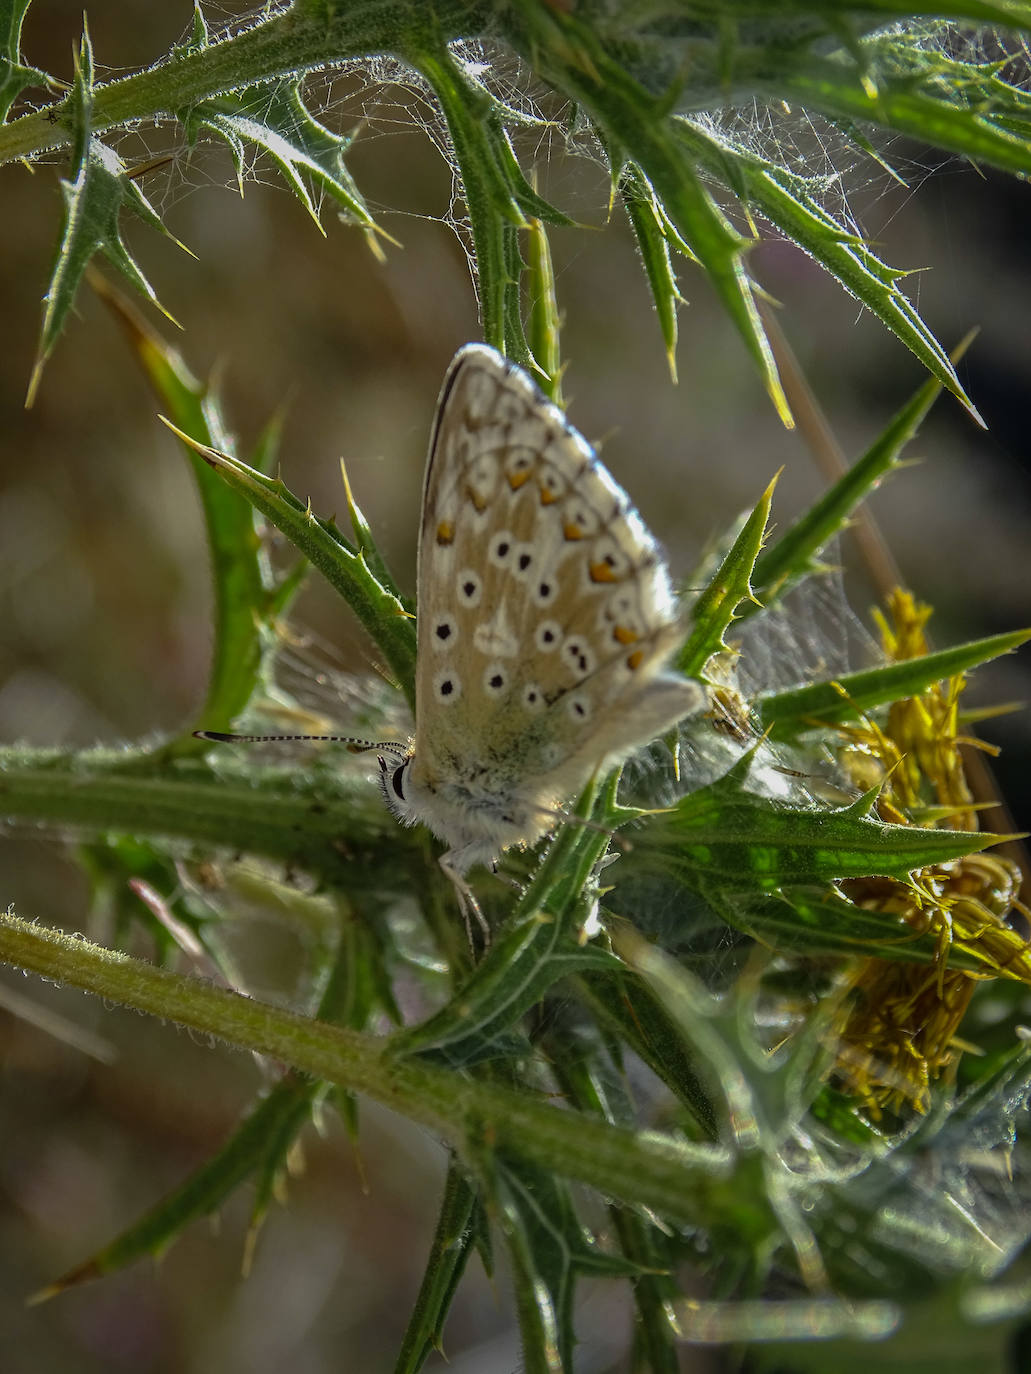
(718, 1047)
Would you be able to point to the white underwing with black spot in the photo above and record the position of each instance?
(546, 621)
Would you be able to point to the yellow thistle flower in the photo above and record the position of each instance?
(900, 1021)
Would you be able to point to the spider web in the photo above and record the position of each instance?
(382, 98)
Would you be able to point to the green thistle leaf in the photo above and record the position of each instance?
(247, 596)
(653, 238)
(340, 562)
(786, 200)
(725, 839)
(275, 119)
(15, 76)
(728, 590)
(460, 1226)
(99, 189)
(819, 704)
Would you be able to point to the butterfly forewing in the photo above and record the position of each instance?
(545, 607)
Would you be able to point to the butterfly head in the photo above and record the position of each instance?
(399, 790)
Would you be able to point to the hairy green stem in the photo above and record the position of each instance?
(331, 825)
(301, 39)
(672, 1176)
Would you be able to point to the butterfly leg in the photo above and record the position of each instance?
(516, 887)
(468, 905)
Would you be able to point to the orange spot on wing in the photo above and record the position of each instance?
(601, 572)
(445, 532)
(517, 479)
(623, 635)
(548, 497)
(572, 531)
(480, 502)
(635, 659)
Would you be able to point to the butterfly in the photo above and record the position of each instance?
(546, 622)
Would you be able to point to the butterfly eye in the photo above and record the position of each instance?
(397, 780)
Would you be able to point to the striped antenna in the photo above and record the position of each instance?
(357, 746)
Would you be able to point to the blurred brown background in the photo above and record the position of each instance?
(104, 630)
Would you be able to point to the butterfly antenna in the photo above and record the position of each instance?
(356, 746)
